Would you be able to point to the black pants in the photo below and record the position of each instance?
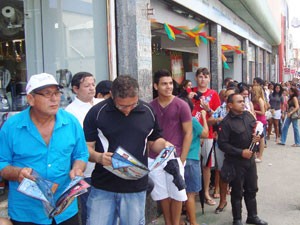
(72, 221)
(244, 185)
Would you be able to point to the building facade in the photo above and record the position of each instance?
(114, 37)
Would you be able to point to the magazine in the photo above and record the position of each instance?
(126, 166)
(44, 190)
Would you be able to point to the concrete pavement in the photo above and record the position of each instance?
(278, 198)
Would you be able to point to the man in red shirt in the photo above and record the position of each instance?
(205, 99)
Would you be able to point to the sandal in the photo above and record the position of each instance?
(216, 195)
(210, 201)
(295, 145)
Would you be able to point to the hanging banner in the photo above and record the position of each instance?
(194, 33)
(226, 48)
(177, 67)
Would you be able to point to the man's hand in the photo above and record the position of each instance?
(256, 138)
(168, 144)
(105, 158)
(204, 105)
(191, 95)
(25, 173)
(76, 172)
(247, 154)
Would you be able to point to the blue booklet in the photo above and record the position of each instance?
(126, 166)
(44, 190)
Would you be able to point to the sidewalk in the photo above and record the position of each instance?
(278, 196)
(3, 205)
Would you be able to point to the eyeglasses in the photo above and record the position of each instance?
(49, 94)
(122, 107)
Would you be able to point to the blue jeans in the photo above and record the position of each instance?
(285, 129)
(107, 208)
(83, 200)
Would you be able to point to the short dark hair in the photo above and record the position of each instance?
(161, 73)
(124, 86)
(230, 97)
(202, 70)
(103, 87)
(78, 78)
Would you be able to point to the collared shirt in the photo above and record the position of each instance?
(23, 146)
(235, 134)
(79, 109)
(104, 123)
(221, 111)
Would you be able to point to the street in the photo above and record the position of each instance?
(278, 196)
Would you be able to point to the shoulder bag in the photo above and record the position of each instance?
(295, 115)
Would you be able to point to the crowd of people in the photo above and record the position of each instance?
(200, 123)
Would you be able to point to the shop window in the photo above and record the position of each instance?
(67, 36)
(12, 56)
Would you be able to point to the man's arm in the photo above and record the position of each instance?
(187, 128)
(158, 145)
(77, 168)
(16, 173)
(103, 158)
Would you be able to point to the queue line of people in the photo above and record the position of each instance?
(125, 120)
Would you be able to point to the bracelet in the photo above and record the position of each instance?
(209, 111)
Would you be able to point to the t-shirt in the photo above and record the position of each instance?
(109, 127)
(275, 101)
(210, 96)
(170, 119)
(195, 149)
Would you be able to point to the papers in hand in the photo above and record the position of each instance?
(126, 166)
(259, 129)
(44, 190)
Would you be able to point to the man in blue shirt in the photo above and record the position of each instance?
(48, 140)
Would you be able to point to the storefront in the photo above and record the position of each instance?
(60, 37)
(181, 56)
(234, 60)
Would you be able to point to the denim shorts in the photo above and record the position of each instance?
(110, 208)
(192, 176)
